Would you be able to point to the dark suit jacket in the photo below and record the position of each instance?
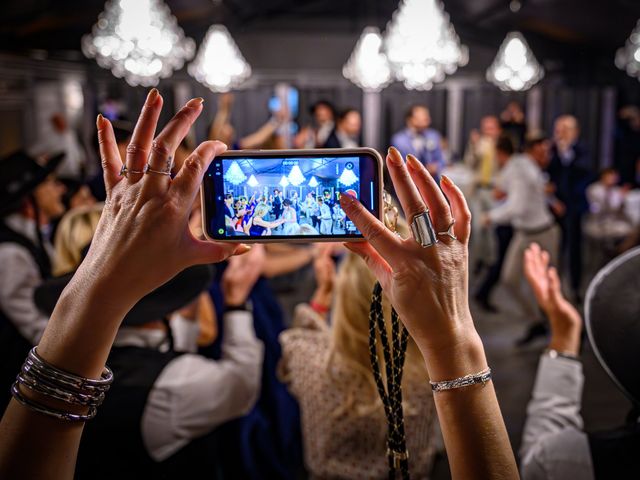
(571, 180)
(332, 141)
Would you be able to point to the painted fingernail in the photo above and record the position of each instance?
(394, 156)
(195, 102)
(99, 120)
(446, 180)
(241, 249)
(413, 162)
(153, 95)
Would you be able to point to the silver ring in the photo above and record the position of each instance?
(449, 232)
(124, 171)
(423, 231)
(166, 171)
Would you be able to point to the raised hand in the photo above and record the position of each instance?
(427, 286)
(566, 322)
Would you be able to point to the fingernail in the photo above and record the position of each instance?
(446, 180)
(153, 95)
(99, 120)
(393, 155)
(195, 102)
(413, 162)
(241, 249)
(347, 199)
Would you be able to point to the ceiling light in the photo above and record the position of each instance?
(422, 45)
(367, 66)
(515, 68)
(219, 64)
(139, 40)
(628, 57)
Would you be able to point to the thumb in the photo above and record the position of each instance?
(215, 252)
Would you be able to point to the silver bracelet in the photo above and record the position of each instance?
(472, 379)
(49, 381)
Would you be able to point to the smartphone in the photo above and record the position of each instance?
(288, 195)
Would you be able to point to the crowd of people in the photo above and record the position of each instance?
(207, 373)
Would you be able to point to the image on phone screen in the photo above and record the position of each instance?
(289, 197)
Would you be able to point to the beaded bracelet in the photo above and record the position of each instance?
(472, 379)
(49, 381)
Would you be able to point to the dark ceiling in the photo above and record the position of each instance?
(555, 28)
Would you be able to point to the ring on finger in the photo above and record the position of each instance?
(449, 231)
(124, 171)
(423, 231)
(166, 171)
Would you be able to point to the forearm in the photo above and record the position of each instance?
(71, 343)
(474, 433)
(280, 264)
(260, 136)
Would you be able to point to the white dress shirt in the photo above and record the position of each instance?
(194, 394)
(19, 277)
(554, 447)
(526, 204)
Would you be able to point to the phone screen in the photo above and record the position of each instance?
(287, 196)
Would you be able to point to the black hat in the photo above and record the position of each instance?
(173, 295)
(20, 174)
(612, 317)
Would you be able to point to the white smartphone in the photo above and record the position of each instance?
(288, 195)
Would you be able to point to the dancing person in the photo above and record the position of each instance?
(315, 135)
(570, 173)
(480, 156)
(502, 231)
(513, 123)
(290, 218)
(326, 366)
(312, 209)
(276, 204)
(30, 199)
(346, 134)
(145, 218)
(418, 137)
(326, 222)
(222, 129)
(438, 319)
(525, 207)
(257, 226)
(554, 444)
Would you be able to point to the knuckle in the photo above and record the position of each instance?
(136, 149)
(161, 147)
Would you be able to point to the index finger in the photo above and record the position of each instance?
(379, 236)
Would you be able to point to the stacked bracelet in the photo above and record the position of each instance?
(472, 379)
(43, 378)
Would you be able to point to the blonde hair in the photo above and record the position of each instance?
(74, 233)
(350, 342)
(261, 210)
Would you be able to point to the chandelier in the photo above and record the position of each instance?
(367, 66)
(219, 64)
(295, 176)
(628, 57)
(422, 45)
(253, 181)
(235, 175)
(139, 40)
(515, 67)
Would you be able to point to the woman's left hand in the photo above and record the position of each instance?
(143, 238)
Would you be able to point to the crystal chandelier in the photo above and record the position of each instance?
(628, 57)
(139, 40)
(253, 181)
(422, 45)
(295, 176)
(284, 183)
(367, 66)
(515, 67)
(313, 183)
(235, 175)
(219, 64)
(348, 178)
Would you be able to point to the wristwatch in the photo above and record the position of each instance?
(247, 306)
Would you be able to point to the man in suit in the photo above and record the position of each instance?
(347, 131)
(420, 140)
(569, 174)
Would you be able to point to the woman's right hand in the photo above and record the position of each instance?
(427, 286)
